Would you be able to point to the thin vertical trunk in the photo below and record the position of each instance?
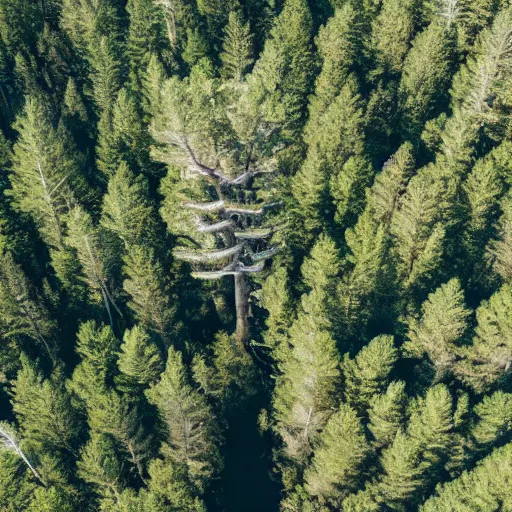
(242, 307)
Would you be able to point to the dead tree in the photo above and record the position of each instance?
(237, 224)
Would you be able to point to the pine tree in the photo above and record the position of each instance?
(190, 429)
(444, 320)
(368, 373)
(338, 458)
(387, 414)
(489, 357)
(149, 292)
(237, 46)
(140, 362)
(52, 500)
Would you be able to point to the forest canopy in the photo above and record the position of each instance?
(255, 255)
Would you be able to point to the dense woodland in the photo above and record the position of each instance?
(242, 234)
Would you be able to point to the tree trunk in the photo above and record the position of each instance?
(242, 307)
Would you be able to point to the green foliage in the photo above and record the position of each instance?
(444, 320)
(368, 373)
(191, 435)
(238, 47)
(488, 358)
(338, 458)
(484, 488)
(139, 362)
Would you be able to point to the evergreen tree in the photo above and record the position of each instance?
(305, 390)
(93, 248)
(493, 423)
(387, 414)
(489, 357)
(190, 430)
(338, 458)
(338, 45)
(484, 488)
(499, 249)
(100, 466)
(368, 373)
(149, 293)
(238, 47)
(339, 138)
(276, 299)
(23, 312)
(444, 320)
(127, 210)
(426, 72)
(43, 411)
(45, 175)
(139, 362)
(97, 347)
